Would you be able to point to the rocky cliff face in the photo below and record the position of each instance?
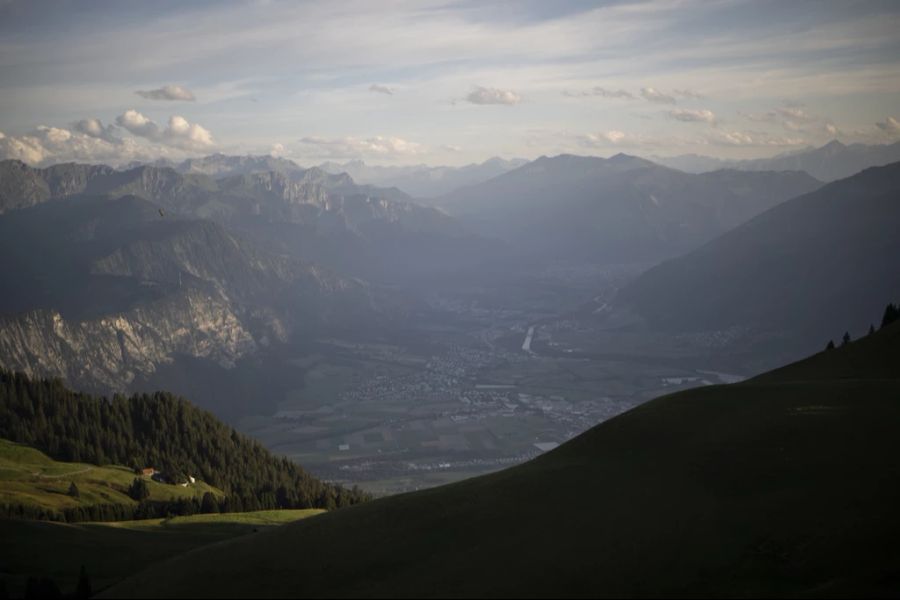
(108, 289)
(108, 353)
(21, 186)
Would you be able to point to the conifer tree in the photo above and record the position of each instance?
(891, 314)
(139, 490)
(209, 504)
(83, 590)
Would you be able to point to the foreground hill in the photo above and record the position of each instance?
(620, 209)
(110, 552)
(823, 258)
(784, 485)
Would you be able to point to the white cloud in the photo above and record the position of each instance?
(47, 145)
(686, 93)
(890, 126)
(483, 95)
(653, 95)
(187, 135)
(95, 128)
(138, 124)
(353, 147)
(178, 133)
(381, 89)
(276, 150)
(795, 114)
(605, 138)
(168, 92)
(602, 93)
(693, 116)
(27, 148)
(752, 138)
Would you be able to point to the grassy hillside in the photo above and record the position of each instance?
(160, 431)
(785, 485)
(112, 551)
(29, 477)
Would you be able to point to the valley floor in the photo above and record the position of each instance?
(491, 385)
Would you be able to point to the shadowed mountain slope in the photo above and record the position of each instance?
(813, 266)
(622, 208)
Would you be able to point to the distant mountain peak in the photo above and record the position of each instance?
(830, 162)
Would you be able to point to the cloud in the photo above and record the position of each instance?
(483, 95)
(653, 95)
(693, 116)
(602, 92)
(95, 128)
(187, 135)
(795, 113)
(353, 147)
(168, 92)
(752, 138)
(178, 133)
(605, 138)
(795, 117)
(381, 89)
(276, 150)
(688, 94)
(47, 145)
(890, 126)
(138, 124)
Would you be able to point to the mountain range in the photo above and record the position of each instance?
(419, 181)
(831, 162)
(824, 257)
(115, 274)
(423, 181)
(618, 209)
(103, 290)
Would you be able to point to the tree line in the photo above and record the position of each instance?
(891, 315)
(144, 509)
(162, 431)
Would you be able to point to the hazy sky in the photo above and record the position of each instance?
(443, 82)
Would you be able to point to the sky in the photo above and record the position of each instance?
(443, 82)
